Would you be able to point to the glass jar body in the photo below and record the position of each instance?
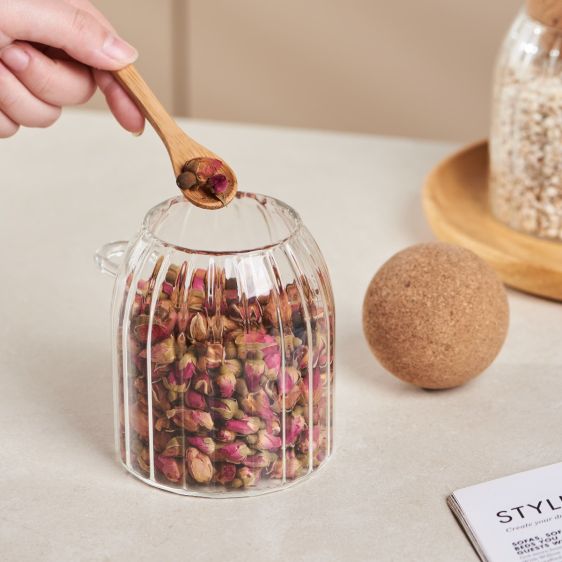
(224, 360)
(525, 147)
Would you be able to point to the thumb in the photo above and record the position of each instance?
(61, 25)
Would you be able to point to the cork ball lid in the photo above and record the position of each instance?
(435, 315)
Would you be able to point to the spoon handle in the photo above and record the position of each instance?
(180, 147)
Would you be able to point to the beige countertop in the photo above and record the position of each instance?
(399, 450)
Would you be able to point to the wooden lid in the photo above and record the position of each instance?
(548, 12)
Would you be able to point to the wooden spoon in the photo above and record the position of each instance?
(204, 178)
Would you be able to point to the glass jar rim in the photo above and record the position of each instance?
(151, 218)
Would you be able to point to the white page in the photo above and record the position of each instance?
(517, 518)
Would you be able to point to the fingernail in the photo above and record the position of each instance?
(15, 58)
(119, 50)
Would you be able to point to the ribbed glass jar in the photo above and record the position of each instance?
(223, 334)
(525, 142)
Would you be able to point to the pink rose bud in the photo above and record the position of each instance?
(260, 460)
(199, 465)
(163, 352)
(225, 436)
(204, 444)
(202, 383)
(273, 365)
(244, 426)
(267, 441)
(139, 421)
(226, 472)
(225, 408)
(169, 467)
(174, 448)
(226, 384)
(291, 378)
(257, 404)
(253, 370)
(231, 367)
(198, 328)
(249, 476)
(198, 282)
(218, 183)
(295, 425)
(195, 400)
(186, 366)
(183, 317)
(214, 355)
(232, 452)
(192, 420)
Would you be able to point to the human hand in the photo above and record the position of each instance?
(53, 53)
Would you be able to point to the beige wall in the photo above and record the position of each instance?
(412, 68)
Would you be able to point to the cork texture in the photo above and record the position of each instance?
(435, 315)
(548, 12)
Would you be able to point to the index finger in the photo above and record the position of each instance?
(66, 27)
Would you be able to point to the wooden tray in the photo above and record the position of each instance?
(455, 201)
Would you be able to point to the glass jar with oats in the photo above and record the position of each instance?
(223, 336)
(526, 136)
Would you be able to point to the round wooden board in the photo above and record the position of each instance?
(455, 201)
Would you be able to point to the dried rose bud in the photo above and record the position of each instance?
(293, 466)
(186, 366)
(230, 350)
(186, 180)
(253, 370)
(199, 465)
(202, 383)
(169, 467)
(198, 328)
(245, 426)
(232, 452)
(291, 378)
(272, 364)
(195, 400)
(257, 404)
(160, 397)
(161, 440)
(143, 460)
(162, 353)
(139, 421)
(225, 408)
(225, 436)
(262, 459)
(192, 420)
(204, 444)
(198, 281)
(241, 388)
(183, 317)
(225, 473)
(294, 426)
(214, 355)
(291, 399)
(231, 367)
(267, 441)
(226, 383)
(173, 384)
(162, 423)
(181, 345)
(249, 476)
(174, 448)
(172, 273)
(236, 483)
(167, 288)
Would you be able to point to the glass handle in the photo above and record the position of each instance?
(108, 257)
